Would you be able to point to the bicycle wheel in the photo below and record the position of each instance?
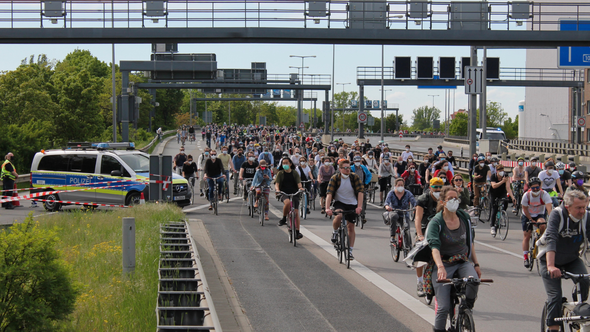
(343, 247)
(503, 225)
(215, 201)
(407, 242)
(347, 248)
(374, 190)
(290, 230)
(261, 204)
(544, 318)
(531, 256)
(226, 191)
(395, 246)
(303, 205)
(293, 230)
(465, 321)
(485, 210)
(251, 199)
(338, 247)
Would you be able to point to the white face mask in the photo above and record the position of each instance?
(327, 164)
(344, 176)
(399, 189)
(536, 193)
(549, 171)
(436, 194)
(303, 164)
(407, 150)
(357, 164)
(534, 163)
(251, 158)
(445, 168)
(213, 156)
(501, 173)
(371, 157)
(452, 205)
(224, 152)
(482, 165)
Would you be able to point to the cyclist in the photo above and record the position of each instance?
(262, 178)
(425, 210)
(247, 171)
(363, 173)
(399, 199)
(500, 187)
(458, 184)
(577, 182)
(324, 175)
(564, 238)
(305, 174)
(481, 173)
(385, 173)
(213, 169)
(424, 171)
(549, 179)
(565, 177)
(191, 132)
(518, 174)
(288, 181)
(189, 169)
(179, 160)
(346, 189)
(371, 162)
(276, 155)
(407, 154)
(536, 206)
(399, 167)
(227, 164)
(532, 171)
(450, 236)
(237, 161)
(201, 165)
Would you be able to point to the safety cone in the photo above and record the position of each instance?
(142, 199)
(14, 193)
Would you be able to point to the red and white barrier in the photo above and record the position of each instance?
(79, 203)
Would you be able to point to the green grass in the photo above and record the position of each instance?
(91, 243)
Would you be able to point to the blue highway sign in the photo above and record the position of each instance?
(573, 57)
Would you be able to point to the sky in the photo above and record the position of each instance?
(278, 61)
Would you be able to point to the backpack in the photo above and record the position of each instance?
(542, 242)
(528, 197)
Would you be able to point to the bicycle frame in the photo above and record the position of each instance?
(575, 322)
(342, 246)
(292, 218)
(461, 311)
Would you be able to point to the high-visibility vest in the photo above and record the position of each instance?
(6, 173)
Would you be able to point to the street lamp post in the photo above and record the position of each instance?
(343, 106)
(433, 99)
(300, 99)
(383, 111)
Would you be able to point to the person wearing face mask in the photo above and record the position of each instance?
(332, 152)
(536, 206)
(565, 177)
(472, 164)
(179, 161)
(577, 183)
(247, 171)
(411, 176)
(324, 174)
(364, 175)
(227, 164)
(385, 155)
(424, 171)
(399, 199)
(296, 156)
(262, 179)
(572, 168)
(399, 167)
(305, 174)
(442, 170)
(532, 171)
(450, 236)
(190, 170)
(500, 187)
(425, 210)
(370, 161)
(288, 181)
(566, 235)
(481, 174)
(451, 159)
(457, 183)
(549, 180)
(214, 169)
(518, 174)
(266, 155)
(385, 173)
(237, 161)
(201, 165)
(407, 154)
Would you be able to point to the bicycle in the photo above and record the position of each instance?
(462, 317)
(342, 244)
(518, 192)
(313, 194)
(502, 223)
(250, 197)
(304, 201)
(371, 189)
(402, 238)
(261, 204)
(533, 250)
(215, 199)
(570, 315)
(238, 185)
(363, 216)
(291, 218)
(484, 208)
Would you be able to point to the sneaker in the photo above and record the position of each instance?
(381, 204)
(323, 211)
(493, 231)
(364, 221)
(513, 210)
(334, 237)
(210, 207)
(392, 240)
(299, 235)
(283, 221)
(350, 256)
(527, 264)
(266, 216)
(308, 212)
(420, 289)
(201, 194)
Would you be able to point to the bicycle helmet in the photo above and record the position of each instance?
(481, 158)
(549, 164)
(534, 180)
(572, 165)
(560, 165)
(577, 175)
(357, 158)
(495, 159)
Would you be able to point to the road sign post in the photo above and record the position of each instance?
(473, 80)
(581, 121)
(362, 117)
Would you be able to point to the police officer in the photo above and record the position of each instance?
(8, 176)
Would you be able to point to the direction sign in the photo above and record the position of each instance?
(581, 122)
(362, 117)
(573, 57)
(473, 79)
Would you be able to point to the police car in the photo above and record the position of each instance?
(90, 165)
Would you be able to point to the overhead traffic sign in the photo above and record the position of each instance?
(362, 117)
(573, 57)
(473, 79)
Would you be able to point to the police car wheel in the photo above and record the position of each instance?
(132, 199)
(52, 206)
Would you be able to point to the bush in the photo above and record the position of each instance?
(36, 287)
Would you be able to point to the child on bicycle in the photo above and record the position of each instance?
(262, 178)
(400, 199)
(500, 187)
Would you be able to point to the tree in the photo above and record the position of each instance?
(495, 115)
(390, 122)
(170, 101)
(423, 117)
(287, 115)
(459, 125)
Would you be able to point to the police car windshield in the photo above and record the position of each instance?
(496, 136)
(138, 162)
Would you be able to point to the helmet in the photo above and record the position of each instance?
(534, 180)
(549, 164)
(520, 158)
(560, 165)
(357, 158)
(494, 159)
(572, 164)
(577, 175)
(535, 159)
(481, 158)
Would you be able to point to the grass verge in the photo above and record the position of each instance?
(91, 243)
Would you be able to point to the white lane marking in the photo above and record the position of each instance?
(377, 206)
(207, 205)
(390, 289)
(499, 249)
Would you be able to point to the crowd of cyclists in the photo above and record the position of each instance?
(441, 203)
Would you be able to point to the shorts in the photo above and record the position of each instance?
(383, 183)
(350, 217)
(295, 200)
(324, 189)
(525, 222)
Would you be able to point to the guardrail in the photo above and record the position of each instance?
(550, 147)
(147, 147)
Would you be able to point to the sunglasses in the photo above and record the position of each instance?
(345, 167)
(458, 180)
(435, 187)
(535, 188)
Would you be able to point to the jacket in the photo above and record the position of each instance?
(368, 174)
(259, 178)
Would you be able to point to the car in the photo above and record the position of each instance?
(91, 165)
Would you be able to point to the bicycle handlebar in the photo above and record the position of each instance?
(343, 211)
(400, 210)
(284, 193)
(464, 280)
(569, 275)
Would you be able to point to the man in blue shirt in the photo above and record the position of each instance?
(237, 161)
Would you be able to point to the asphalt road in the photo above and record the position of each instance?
(282, 288)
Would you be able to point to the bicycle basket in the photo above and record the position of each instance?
(390, 217)
(416, 189)
(582, 309)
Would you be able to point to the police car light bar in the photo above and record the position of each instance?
(101, 145)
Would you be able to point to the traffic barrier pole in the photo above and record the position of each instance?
(128, 245)
(15, 194)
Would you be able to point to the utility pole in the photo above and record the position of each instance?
(301, 92)
(472, 109)
(343, 106)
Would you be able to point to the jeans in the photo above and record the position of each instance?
(443, 293)
(553, 287)
(179, 169)
(210, 191)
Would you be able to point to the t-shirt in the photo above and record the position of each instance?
(345, 193)
(225, 159)
(249, 170)
(534, 204)
(532, 173)
(401, 167)
(288, 182)
(180, 159)
(499, 191)
(213, 169)
(453, 242)
(407, 154)
(564, 177)
(548, 181)
(480, 171)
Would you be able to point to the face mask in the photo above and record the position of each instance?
(574, 218)
(452, 205)
(370, 157)
(520, 163)
(407, 150)
(330, 163)
(501, 173)
(488, 157)
(482, 164)
(410, 160)
(333, 150)
(286, 167)
(262, 168)
(560, 172)
(240, 154)
(549, 171)
(327, 164)
(344, 176)
(412, 170)
(303, 164)
(357, 164)
(534, 163)
(445, 168)
(580, 182)
(442, 159)
(436, 194)
(251, 158)
(536, 193)
(213, 156)
(224, 152)
(399, 189)
(206, 154)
